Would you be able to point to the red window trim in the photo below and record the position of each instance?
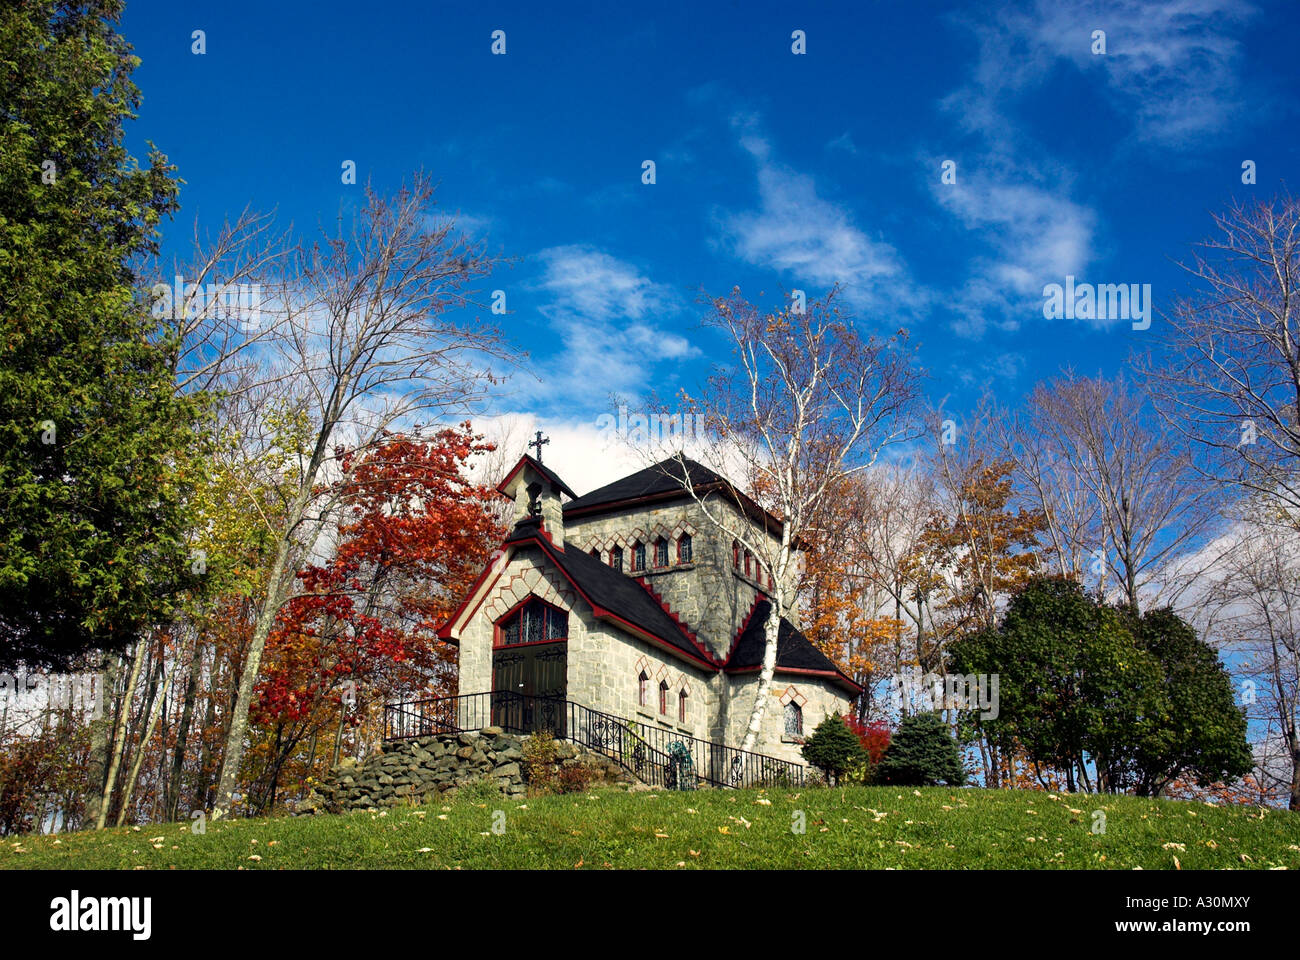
(663, 698)
(497, 632)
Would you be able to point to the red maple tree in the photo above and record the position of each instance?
(416, 531)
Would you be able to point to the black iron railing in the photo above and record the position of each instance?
(658, 757)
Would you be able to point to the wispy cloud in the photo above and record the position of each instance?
(1171, 66)
(811, 241)
(607, 315)
(1034, 234)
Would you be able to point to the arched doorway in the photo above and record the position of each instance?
(530, 668)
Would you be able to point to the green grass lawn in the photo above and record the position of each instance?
(855, 827)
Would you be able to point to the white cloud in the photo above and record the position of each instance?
(1171, 66)
(810, 240)
(607, 315)
(1036, 236)
(584, 457)
(595, 284)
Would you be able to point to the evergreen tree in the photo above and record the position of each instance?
(833, 748)
(922, 754)
(1202, 733)
(94, 439)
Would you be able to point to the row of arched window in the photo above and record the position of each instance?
(665, 698)
(658, 554)
(743, 561)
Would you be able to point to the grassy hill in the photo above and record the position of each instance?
(854, 827)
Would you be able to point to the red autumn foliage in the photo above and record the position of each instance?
(415, 533)
(874, 736)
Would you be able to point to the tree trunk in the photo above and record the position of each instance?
(119, 736)
(154, 713)
(202, 785)
(771, 630)
(172, 806)
(276, 592)
(101, 743)
(1295, 776)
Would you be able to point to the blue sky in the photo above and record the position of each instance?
(774, 170)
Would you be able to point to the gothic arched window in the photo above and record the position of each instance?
(661, 552)
(681, 705)
(533, 622)
(663, 697)
(638, 557)
(643, 689)
(794, 719)
(616, 559)
(684, 548)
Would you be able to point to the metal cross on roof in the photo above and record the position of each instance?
(538, 444)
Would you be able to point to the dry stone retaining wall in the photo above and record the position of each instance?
(422, 769)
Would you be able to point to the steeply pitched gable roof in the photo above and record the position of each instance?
(794, 651)
(665, 480)
(545, 471)
(613, 593)
(664, 477)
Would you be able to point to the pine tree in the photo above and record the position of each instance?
(94, 439)
(922, 754)
(833, 748)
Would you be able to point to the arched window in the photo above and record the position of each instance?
(661, 552)
(638, 557)
(684, 548)
(748, 558)
(735, 554)
(794, 719)
(616, 559)
(663, 697)
(643, 689)
(681, 705)
(534, 622)
(595, 552)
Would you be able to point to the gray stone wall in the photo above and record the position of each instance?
(818, 699)
(424, 769)
(708, 594)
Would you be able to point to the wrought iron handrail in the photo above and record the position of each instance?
(658, 757)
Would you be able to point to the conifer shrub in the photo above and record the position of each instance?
(922, 753)
(833, 748)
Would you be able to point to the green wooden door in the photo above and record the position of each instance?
(537, 673)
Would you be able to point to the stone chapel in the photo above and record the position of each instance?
(629, 601)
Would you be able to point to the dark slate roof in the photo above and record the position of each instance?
(794, 651)
(616, 592)
(664, 477)
(541, 468)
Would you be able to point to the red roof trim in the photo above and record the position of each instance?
(444, 632)
(604, 614)
(735, 641)
(690, 634)
(805, 671)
